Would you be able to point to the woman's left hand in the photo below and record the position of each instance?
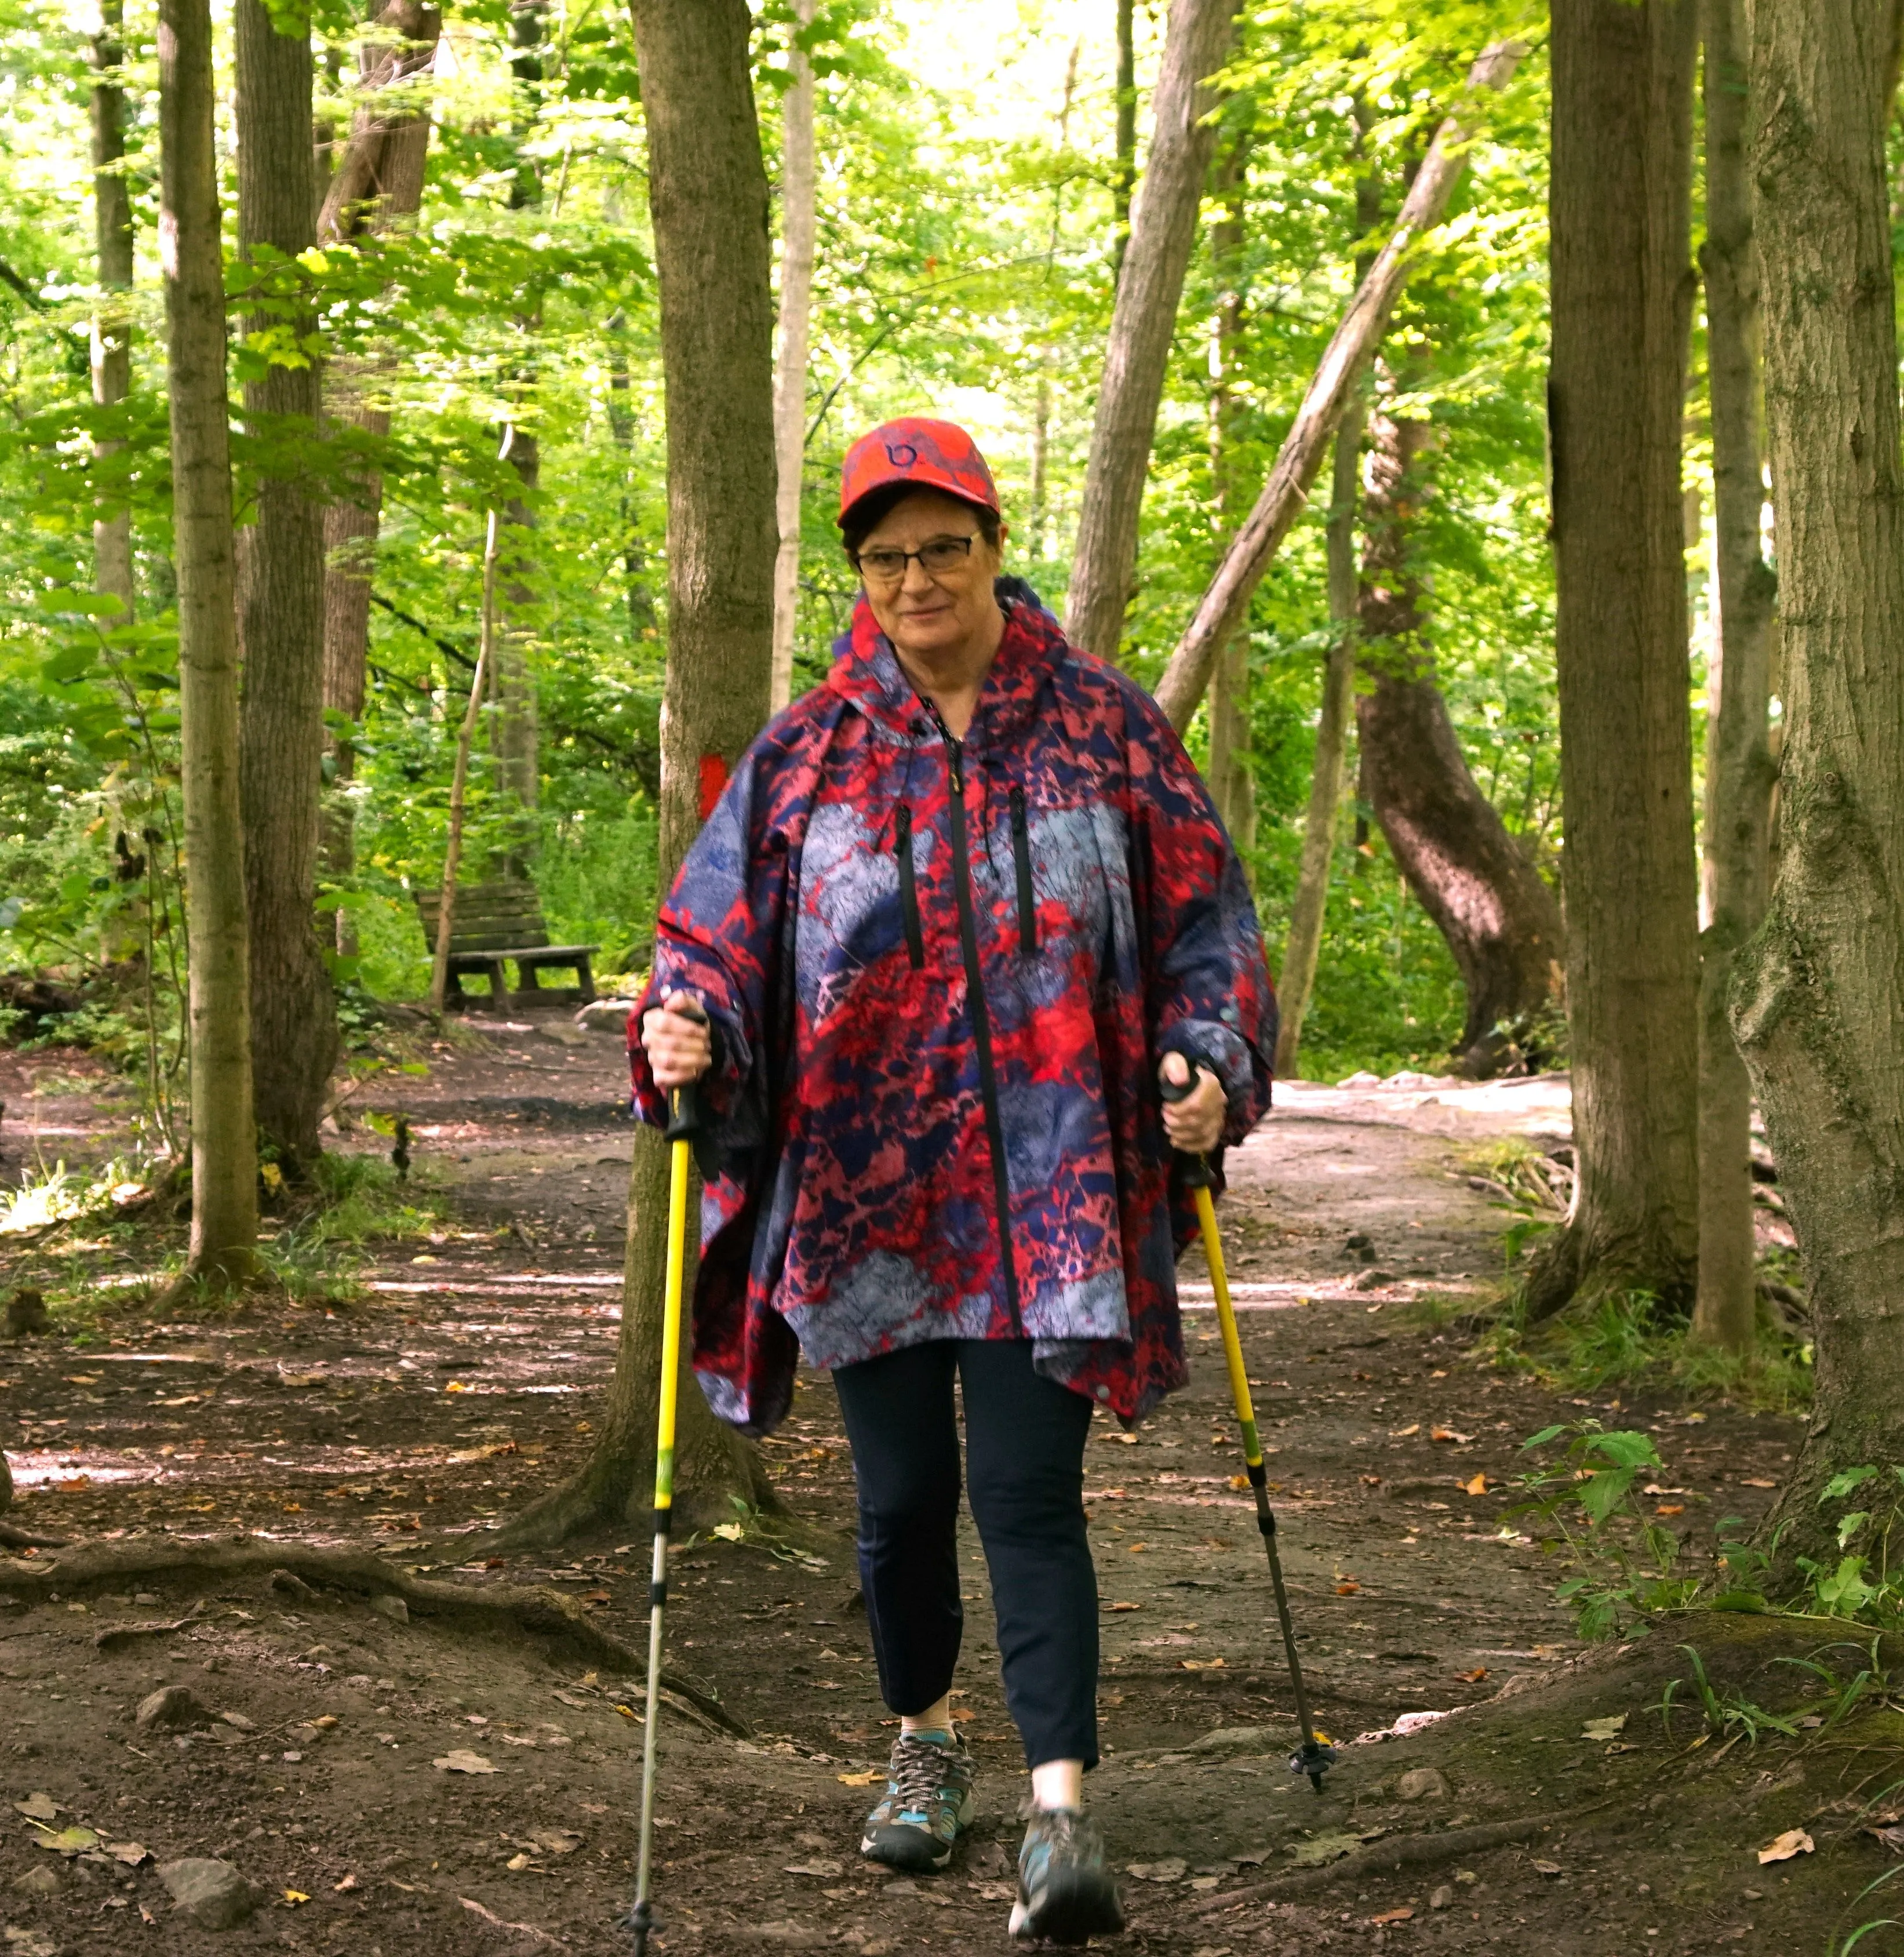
(1194, 1123)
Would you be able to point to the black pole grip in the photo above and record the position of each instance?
(687, 1121)
(1194, 1169)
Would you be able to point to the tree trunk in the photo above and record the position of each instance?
(1286, 494)
(1143, 325)
(111, 356)
(1295, 982)
(446, 930)
(1493, 908)
(1233, 787)
(1819, 993)
(1038, 513)
(796, 226)
(707, 192)
(224, 1152)
(378, 184)
(1123, 181)
(281, 732)
(1622, 289)
(1739, 772)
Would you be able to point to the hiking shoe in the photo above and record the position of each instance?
(1065, 1894)
(928, 1800)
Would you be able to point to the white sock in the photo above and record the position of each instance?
(934, 1719)
(1058, 1784)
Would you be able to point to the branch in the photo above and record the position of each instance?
(1285, 494)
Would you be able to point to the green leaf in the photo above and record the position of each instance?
(1747, 1601)
(1844, 1481)
(1626, 1449)
(1600, 1494)
(1541, 1439)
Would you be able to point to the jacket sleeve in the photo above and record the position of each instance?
(1207, 989)
(717, 937)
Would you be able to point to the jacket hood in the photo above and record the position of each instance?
(867, 671)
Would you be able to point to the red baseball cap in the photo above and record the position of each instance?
(916, 449)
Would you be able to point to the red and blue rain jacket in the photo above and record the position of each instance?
(942, 974)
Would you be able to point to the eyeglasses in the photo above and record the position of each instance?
(889, 567)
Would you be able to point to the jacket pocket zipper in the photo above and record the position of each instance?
(909, 887)
(1021, 860)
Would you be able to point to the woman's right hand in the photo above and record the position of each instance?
(680, 1048)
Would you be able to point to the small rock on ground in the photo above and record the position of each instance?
(172, 1707)
(1421, 1784)
(212, 1893)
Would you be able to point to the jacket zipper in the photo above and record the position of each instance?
(981, 1019)
(1021, 861)
(909, 887)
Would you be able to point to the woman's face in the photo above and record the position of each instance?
(930, 613)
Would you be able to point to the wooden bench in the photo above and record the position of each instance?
(493, 922)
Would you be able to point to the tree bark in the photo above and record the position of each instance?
(1739, 771)
(1037, 525)
(1818, 995)
(1285, 495)
(1143, 324)
(1622, 288)
(1500, 921)
(1123, 181)
(796, 228)
(378, 184)
(707, 191)
(224, 1153)
(1295, 982)
(1233, 787)
(281, 567)
(112, 352)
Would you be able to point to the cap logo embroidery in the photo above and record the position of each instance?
(901, 454)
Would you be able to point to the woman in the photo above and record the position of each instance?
(957, 912)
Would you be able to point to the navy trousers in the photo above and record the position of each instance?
(1025, 1449)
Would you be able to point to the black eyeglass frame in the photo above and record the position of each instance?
(857, 558)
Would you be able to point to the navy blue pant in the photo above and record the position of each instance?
(1024, 1450)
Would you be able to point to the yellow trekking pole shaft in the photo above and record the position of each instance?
(684, 1123)
(1314, 1757)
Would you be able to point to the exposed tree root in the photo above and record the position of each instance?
(1409, 1851)
(19, 1538)
(535, 1609)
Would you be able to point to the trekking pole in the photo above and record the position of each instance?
(683, 1128)
(1315, 1757)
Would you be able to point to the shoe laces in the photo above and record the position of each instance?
(918, 1770)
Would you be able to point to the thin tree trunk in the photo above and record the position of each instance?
(707, 191)
(377, 185)
(459, 771)
(796, 228)
(1500, 921)
(281, 570)
(112, 355)
(1819, 993)
(1622, 288)
(1739, 773)
(621, 430)
(1037, 516)
(1233, 787)
(224, 1153)
(1296, 983)
(1123, 182)
(1285, 495)
(1143, 324)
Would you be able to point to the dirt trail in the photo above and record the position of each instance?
(408, 1425)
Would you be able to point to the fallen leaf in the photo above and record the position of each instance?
(1203, 1665)
(293, 1897)
(1348, 1587)
(344, 1888)
(559, 1840)
(866, 1779)
(517, 1863)
(728, 1531)
(82, 1379)
(1604, 1729)
(1127, 1607)
(1172, 1869)
(1473, 1678)
(1547, 1868)
(38, 1807)
(1448, 1433)
(1893, 1838)
(1403, 1432)
(1320, 1848)
(1393, 1916)
(1239, 1481)
(130, 1853)
(1670, 1509)
(820, 1866)
(463, 1761)
(1755, 1482)
(1793, 1841)
(68, 1840)
(1479, 1486)
(301, 1379)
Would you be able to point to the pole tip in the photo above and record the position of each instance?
(641, 1920)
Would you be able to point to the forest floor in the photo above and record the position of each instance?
(432, 1779)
